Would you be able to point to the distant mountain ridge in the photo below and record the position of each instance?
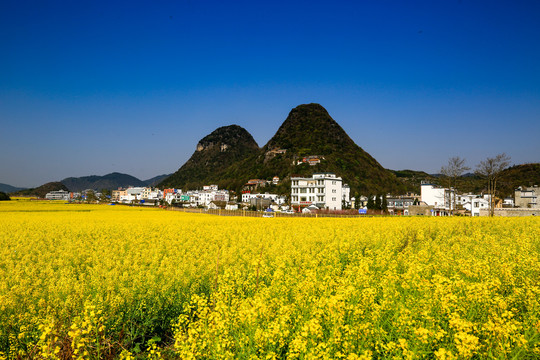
(42, 190)
(110, 181)
(9, 189)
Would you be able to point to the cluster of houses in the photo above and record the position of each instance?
(440, 201)
(322, 191)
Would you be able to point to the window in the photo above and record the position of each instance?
(333, 199)
(303, 191)
(333, 191)
(303, 198)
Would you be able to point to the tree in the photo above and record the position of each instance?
(378, 203)
(4, 196)
(356, 204)
(105, 195)
(455, 168)
(490, 169)
(91, 196)
(384, 204)
(370, 203)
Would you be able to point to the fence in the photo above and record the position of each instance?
(247, 213)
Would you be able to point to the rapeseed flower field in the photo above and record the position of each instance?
(117, 282)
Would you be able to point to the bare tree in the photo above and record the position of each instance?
(455, 168)
(491, 169)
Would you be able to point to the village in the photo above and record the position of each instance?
(322, 192)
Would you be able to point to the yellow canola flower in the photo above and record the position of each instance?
(87, 281)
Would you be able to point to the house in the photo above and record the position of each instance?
(310, 160)
(310, 209)
(214, 205)
(478, 204)
(254, 184)
(399, 205)
(440, 198)
(526, 197)
(260, 203)
(325, 190)
(362, 201)
(116, 195)
(508, 202)
(58, 195)
(231, 206)
(247, 196)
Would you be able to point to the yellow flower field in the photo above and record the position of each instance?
(108, 282)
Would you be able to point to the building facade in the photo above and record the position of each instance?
(440, 198)
(58, 195)
(324, 190)
(526, 197)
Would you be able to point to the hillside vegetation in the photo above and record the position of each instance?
(308, 131)
(42, 190)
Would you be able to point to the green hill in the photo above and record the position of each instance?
(215, 155)
(42, 190)
(110, 181)
(308, 131)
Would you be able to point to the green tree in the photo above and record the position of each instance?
(378, 203)
(4, 196)
(384, 204)
(370, 203)
(91, 196)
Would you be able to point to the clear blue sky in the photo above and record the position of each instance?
(90, 87)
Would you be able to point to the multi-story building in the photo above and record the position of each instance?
(399, 205)
(324, 190)
(116, 195)
(58, 195)
(526, 197)
(440, 198)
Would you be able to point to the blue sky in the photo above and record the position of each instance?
(93, 87)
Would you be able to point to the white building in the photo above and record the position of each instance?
(325, 190)
(247, 196)
(346, 196)
(132, 194)
(479, 204)
(206, 196)
(58, 195)
(438, 197)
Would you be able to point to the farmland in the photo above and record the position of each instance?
(107, 282)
